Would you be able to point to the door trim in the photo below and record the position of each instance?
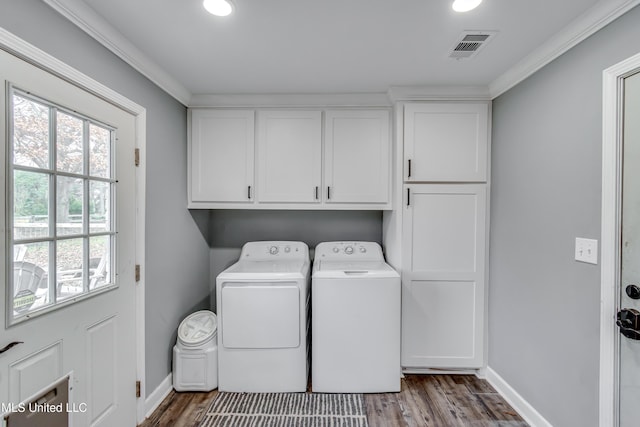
(37, 57)
(612, 132)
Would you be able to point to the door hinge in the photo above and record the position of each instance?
(138, 389)
(137, 272)
(136, 157)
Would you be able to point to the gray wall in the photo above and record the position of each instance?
(177, 260)
(546, 183)
(230, 229)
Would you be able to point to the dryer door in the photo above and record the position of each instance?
(260, 315)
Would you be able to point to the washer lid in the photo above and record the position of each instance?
(198, 327)
(342, 269)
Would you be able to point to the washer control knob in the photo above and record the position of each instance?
(273, 250)
(348, 250)
(336, 250)
(287, 249)
(363, 249)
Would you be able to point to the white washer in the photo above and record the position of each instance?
(262, 311)
(355, 320)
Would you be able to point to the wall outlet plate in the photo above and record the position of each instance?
(587, 250)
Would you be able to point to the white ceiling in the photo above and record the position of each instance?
(327, 46)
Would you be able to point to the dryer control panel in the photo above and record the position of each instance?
(272, 250)
(364, 251)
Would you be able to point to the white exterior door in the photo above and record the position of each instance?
(357, 156)
(90, 335)
(221, 156)
(289, 156)
(629, 351)
(443, 276)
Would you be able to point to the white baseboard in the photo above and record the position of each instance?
(155, 399)
(526, 411)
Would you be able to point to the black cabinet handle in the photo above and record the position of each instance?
(408, 197)
(328, 193)
(409, 171)
(249, 192)
(10, 346)
(316, 192)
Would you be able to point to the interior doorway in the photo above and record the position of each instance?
(619, 318)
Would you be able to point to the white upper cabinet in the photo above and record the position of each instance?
(221, 157)
(290, 159)
(289, 156)
(357, 157)
(445, 142)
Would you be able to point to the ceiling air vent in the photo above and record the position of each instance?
(470, 43)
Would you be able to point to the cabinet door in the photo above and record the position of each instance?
(221, 161)
(445, 142)
(289, 156)
(357, 156)
(443, 276)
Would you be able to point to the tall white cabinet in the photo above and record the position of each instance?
(443, 234)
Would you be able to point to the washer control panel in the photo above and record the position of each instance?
(257, 251)
(349, 251)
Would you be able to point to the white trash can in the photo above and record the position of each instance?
(195, 355)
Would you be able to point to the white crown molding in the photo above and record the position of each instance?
(39, 58)
(292, 100)
(439, 93)
(591, 21)
(84, 17)
(601, 14)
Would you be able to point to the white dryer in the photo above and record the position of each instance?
(262, 303)
(355, 320)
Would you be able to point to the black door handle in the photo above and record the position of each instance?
(630, 333)
(10, 346)
(628, 320)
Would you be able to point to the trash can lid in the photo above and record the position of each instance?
(197, 328)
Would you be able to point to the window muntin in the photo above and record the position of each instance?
(62, 199)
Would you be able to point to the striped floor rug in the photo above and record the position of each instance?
(286, 410)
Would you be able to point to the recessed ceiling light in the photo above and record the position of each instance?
(218, 7)
(465, 5)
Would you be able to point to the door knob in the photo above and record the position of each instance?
(628, 320)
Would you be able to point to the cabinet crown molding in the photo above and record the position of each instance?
(439, 93)
(298, 100)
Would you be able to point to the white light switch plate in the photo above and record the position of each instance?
(586, 250)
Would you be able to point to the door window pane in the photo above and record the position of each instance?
(99, 202)
(69, 206)
(99, 261)
(30, 205)
(69, 138)
(99, 151)
(62, 194)
(30, 133)
(30, 277)
(69, 268)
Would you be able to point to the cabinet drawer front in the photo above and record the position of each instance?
(445, 142)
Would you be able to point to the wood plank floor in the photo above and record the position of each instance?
(425, 401)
